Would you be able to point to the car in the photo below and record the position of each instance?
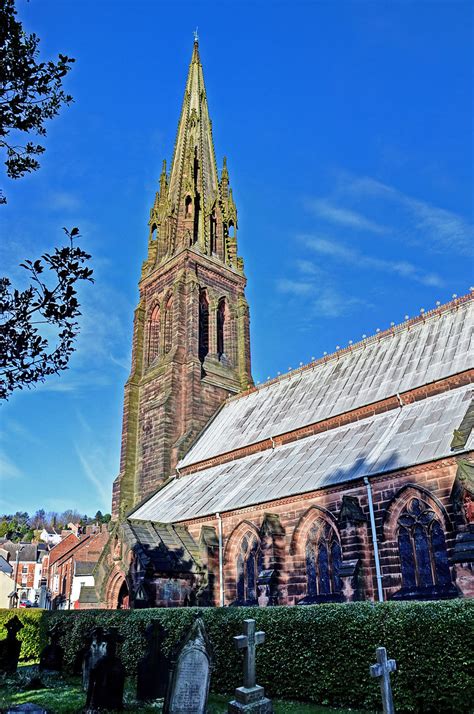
(24, 603)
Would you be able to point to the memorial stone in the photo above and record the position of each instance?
(94, 649)
(10, 647)
(191, 674)
(107, 677)
(382, 671)
(251, 697)
(51, 657)
(153, 668)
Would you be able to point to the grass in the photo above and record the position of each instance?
(65, 696)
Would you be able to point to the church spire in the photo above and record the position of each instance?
(193, 209)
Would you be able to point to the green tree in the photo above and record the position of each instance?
(31, 92)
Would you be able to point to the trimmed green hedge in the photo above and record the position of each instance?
(319, 653)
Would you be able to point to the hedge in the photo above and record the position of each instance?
(317, 653)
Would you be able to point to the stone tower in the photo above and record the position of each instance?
(191, 346)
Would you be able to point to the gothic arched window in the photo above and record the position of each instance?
(203, 325)
(168, 326)
(154, 334)
(220, 320)
(249, 562)
(323, 562)
(422, 549)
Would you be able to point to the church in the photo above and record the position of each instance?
(350, 478)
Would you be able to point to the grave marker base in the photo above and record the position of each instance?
(251, 700)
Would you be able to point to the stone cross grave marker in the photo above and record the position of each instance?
(382, 671)
(153, 668)
(10, 647)
(191, 674)
(250, 697)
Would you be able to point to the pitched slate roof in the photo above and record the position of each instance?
(167, 548)
(410, 355)
(416, 433)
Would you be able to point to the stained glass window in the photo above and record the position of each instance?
(323, 561)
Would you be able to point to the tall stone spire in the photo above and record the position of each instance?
(191, 342)
(192, 208)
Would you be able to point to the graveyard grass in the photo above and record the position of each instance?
(67, 697)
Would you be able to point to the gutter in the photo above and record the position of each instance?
(378, 571)
(221, 561)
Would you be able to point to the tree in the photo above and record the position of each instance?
(30, 92)
(25, 353)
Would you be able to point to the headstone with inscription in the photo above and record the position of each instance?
(251, 697)
(51, 657)
(95, 648)
(10, 647)
(153, 668)
(191, 674)
(107, 678)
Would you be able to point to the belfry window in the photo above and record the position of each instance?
(188, 207)
(323, 562)
(220, 324)
(231, 229)
(168, 326)
(203, 325)
(154, 334)
(422, 549)
(213, 232)
(249, 562)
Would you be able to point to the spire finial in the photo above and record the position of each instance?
(196, 36)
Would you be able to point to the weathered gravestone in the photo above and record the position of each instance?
(153, 668)
(94, 649)
(107, 677)
(10, 647)
(191, 674)
(51, 657)
(251, 697)
(382, 671)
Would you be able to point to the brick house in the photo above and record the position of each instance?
(347, 479)
(27, 562)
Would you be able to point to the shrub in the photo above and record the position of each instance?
(319, 653)
(33, 636)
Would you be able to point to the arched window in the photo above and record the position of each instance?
(213, 232)
(220, 319)
(249, 562)
(231, 229)
(188, 207)
(203, 325)
(153, 232)
(154, 335)
(422, 549)
(323, 562)
(168, 326)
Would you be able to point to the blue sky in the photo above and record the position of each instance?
(347, 127)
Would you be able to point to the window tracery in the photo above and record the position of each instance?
(249, 562)
(154, 335)
(323, 562)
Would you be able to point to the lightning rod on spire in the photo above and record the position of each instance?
(196, 36)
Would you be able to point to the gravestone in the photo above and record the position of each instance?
(10, 647)
(107, 677)
(191, 674)
(153, 668)
(51, 657)
(95, 648)
(251, 697)
(382, 671)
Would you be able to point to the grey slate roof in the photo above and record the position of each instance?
(84, 567)
(416, 433)
(167, 548)
(411, 356)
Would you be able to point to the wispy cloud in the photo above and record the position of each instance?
(402, 268)
(63, 201)
(8, 470)
(441, 228)
(96, 472)
(344, 216)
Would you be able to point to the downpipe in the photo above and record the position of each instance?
(378, 571)
(221, 560)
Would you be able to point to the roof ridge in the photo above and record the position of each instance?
(393, 329)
